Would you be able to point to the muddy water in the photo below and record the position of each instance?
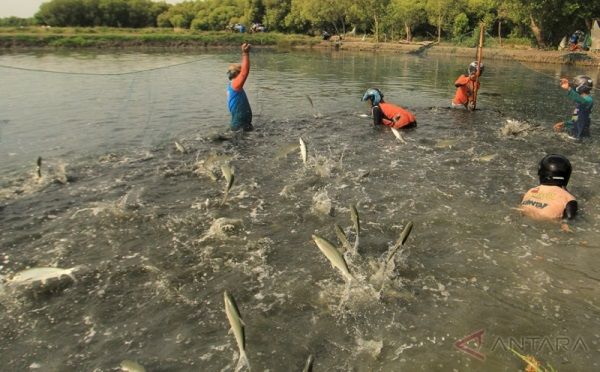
(155, 247)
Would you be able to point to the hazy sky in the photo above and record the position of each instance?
(27, 8)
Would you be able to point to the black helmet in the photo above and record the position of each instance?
(582, 84)
(554, 170)
(473, 68)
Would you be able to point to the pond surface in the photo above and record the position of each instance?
(155, 243)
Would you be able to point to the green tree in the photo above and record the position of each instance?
(16, 22)
(61, 13)
(409, 13)
(440, 12)
(547, 20)
(460, 26)
(371, 12)
(254, 11)
(115, 13)
(275, 13)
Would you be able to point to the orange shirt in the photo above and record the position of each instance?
(464, 91)
(545, 202)
(238, 83)
(396, 116)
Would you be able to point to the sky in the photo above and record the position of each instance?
(27, 8)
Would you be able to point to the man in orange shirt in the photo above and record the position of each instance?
(550, 200)
(465, 86)
(388, 114)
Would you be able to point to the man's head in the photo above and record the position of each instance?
(582, 84)
(554, 170)
(472, 69)
(373, 95)
(234, 70)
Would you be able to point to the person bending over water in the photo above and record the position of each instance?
(388, 114)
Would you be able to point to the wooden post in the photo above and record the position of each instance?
(473, 102)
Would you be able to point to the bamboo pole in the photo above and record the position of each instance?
(473, 103)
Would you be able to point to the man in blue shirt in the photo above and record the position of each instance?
(237, 100)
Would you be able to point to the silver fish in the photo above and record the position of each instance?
(403, 236)
(356, 221)
(303, 153)
(398, 135)
(180, 148)
(237, 327)
(339, 232)
(39, 167)
(229, 178)
(355, 218)
(310, 101)
(131, 366)
(316, 114)
(41, 274)
(333, 255)
(308, 367)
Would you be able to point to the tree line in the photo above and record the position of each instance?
(543, 21)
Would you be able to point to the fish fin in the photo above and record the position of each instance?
(243, 360)
(242, 321)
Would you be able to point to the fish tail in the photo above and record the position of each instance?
(242, 361)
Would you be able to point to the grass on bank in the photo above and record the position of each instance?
(97, 37)
(77, 37)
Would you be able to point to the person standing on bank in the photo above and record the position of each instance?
(237, 100)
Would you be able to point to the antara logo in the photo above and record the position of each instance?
(474, 338)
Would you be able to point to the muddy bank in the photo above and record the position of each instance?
(71, 39)
(521, 55)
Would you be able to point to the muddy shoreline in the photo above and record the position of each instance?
(521, 55)
(22, 42)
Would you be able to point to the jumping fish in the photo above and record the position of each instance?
(39, 167)
(308, 367)
(303, 154)
(131, 366)
(333, 255)
(316, 114)
(403, 236)
(228, 173)
(398, 135)
(180, 148)
(41, 274)
(237, 327)
(339, 232)
(356, 221)
(445, 143)
(487, 158)
(310, 101)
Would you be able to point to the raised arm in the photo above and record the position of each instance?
(238, 82)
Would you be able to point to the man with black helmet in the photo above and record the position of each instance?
(551, 200)
(579, 91)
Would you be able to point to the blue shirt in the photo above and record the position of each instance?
(579, 125)
(239, 107)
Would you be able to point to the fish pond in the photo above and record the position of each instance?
(129, 200)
